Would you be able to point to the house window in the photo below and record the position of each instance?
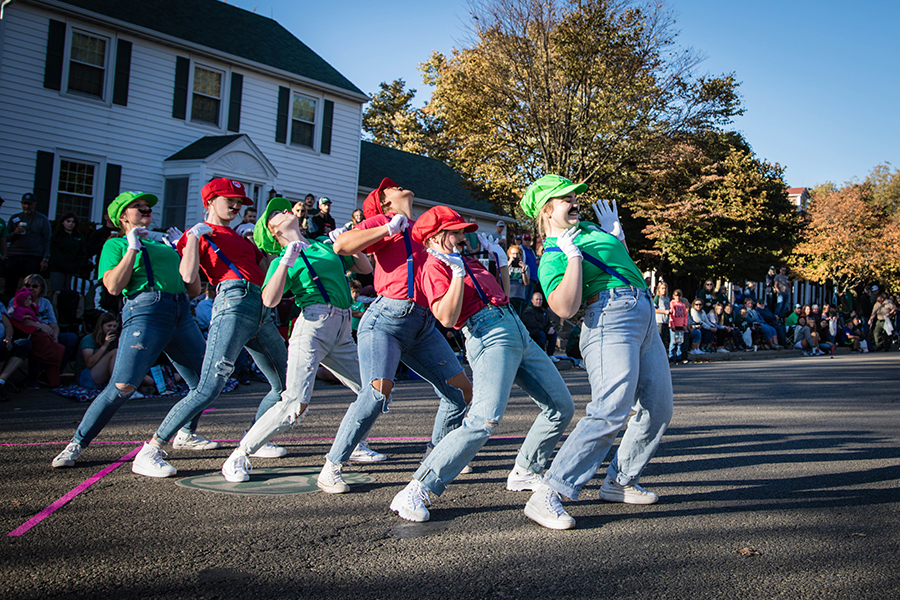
(75, 192)
(303, 121)
(175, 203)
(207, 97)
(87, 64)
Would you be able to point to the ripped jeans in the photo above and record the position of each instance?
(389, 331)
(239, 319)
(152, 322)
(321, 334)
(501, 353)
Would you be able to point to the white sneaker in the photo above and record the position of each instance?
(363, 454)
(67, 457)
(269, 450)
(330, 479)
(410, 502)
(520, 479)
(192, 441)
(545, 508)
(611, 491)
(150, 462)
(237, 468)
(696, 351)
(723, 351)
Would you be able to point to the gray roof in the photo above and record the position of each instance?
(204, 147)
(225, 28)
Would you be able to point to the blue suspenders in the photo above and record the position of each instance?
(410, 279)
(315, 278)
(223, 257)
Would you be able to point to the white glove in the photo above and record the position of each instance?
(608, 217)
(566, 242)
(291, 253)
(174, 234)
(492, 246)
(333, 235)
(199, 230)
(134, 238)
(398, 223)
(454, 261)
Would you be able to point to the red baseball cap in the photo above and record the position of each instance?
(372, 203)
(228, 188)
(437, 219)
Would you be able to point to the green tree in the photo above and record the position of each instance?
(391, 120)
(885, 186)
(587, 89)
(712, 208)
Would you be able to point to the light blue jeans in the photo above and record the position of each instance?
(627, 367)
(321, 334)
(389, 331)
(152, 323)
(501, 352)
(239, 320)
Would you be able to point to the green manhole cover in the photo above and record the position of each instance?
(268, 482)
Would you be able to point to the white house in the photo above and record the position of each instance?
(160, 96)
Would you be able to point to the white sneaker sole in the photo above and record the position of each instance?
(541, 519)
(264, 452)
(406, 514)
(333, 489)
(623, 498)
(210, 446)
(235, 477)
(158, 473)
(365, 458)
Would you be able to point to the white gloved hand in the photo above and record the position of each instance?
(566, 242)
(494, 247)
(454, 261)
(291, 253)
(398, 223)
(135, 236)
(199, 230)
(333, 235)
(174, 234)
(608, 218)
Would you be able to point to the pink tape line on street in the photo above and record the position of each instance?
(71, 495)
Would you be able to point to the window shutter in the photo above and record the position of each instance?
(281, 125)
(182, 74)
(234, 103)
(327, 118)
(43, 181)
(111, 189)
(56, 49)
(123, 73)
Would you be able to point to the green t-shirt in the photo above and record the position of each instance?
(600, 245)
(791, 319)
(358, 307)
(164, 262)
(331, 270)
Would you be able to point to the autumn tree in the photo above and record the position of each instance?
(586, 89)
(848, 239)
(885, 186)
(710, 207)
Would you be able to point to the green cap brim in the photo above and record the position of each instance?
(262, 237)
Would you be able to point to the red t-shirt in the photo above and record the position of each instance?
(436, 281)
(239, 250)
(390, 262)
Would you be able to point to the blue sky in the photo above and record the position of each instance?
(820, 81)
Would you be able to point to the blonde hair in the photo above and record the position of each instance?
(544, 213)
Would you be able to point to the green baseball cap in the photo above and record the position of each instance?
(262, 237)
(118, 206)
(541, 191)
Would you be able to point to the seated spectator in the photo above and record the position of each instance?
(769, 318)
(738, 294)
(853, 335)
(722, 332)
(792, 318)
(537, 320)
(749, 292)
(573, 342)
(805, 339)
(746, 327)
(519, 278)
(12, 352)
(44, 347)
(203, 310)
(678, 327)
(47, 316)
(357, 308)
(97, 354)
(722, 296)
(702, 329)
(829, 325)
(770, 335)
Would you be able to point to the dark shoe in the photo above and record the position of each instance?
(32, 384)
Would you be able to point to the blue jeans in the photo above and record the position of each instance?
(627, 367)
(501, 352)
(678, 351)
(389, 331)
(321, 335)
(239, 319)
(152, 323)
(782, 301)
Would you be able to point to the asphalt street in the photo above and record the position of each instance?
(777, 478)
